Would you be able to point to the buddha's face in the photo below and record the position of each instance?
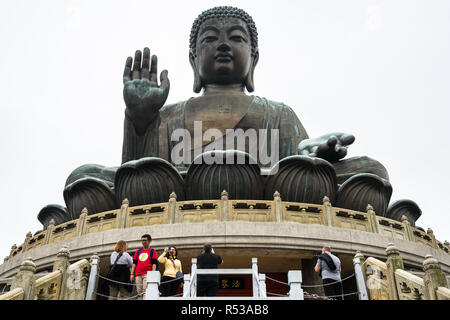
(223, 51)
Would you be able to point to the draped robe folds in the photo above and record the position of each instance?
(260, 114)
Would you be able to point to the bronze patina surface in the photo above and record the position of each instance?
(223, 53)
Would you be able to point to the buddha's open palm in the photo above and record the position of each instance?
(141, 92)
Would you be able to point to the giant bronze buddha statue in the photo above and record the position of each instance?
(223, 54)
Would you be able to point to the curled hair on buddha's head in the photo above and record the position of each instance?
(224, 12)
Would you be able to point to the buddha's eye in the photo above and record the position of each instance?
(238, 38)
(209, 39)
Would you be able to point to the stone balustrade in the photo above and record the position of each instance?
(66, 281)
(225, 209)
(389, 281)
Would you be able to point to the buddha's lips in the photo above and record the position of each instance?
(223, 57)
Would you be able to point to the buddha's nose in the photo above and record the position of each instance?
(224, 46)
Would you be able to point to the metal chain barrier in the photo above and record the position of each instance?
(276, 294)
(129, 283)
(328, 284)
(310, 286)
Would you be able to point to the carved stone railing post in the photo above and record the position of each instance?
(50, 228)
(25, 278)
(93, 278)
(254, 279)
(262, 285)
(122, 223)
(407, 226)
(13, 249)
(447, 244)
(82, 221)
(295, 285)
(373, 219)
(433, 238)
(153, 282)
(224, 206)
(62, 263)
(25, 243)
(358, 260)
(329, 215)
(278, 205)
(433, 278)
(394, 262)
(172, 208)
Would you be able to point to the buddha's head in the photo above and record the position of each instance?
(223, 48)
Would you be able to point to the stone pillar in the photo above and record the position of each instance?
(407, 226)
(358, 260)
(278, 205)
(62, 263)
(153, 281)
(172, 208)
(62, 260)
(82, 222)
(224, 212)
(433, 238)
(262, 285)
(329, 215)
(187, 286)
(25, 279)
(122, 223)
(25, 243)
(13, 249)
(255, 277)
(295, 285)
(50, 228)
(433, 278)
(93, 278)
(447, 244)
(394, 262)
(193, 288)
(373, 219)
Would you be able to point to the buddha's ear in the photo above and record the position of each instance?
(249, 82)
(197, 81)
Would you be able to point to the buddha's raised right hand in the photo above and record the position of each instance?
(141, 92)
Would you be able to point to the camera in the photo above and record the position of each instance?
(170, 250)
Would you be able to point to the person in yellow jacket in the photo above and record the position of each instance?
(172, 277)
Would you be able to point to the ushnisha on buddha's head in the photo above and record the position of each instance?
(223, 48)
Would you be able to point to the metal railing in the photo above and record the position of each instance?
(258, 280)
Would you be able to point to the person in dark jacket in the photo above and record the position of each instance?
(329, 268)
(121, 263)
(207, 285)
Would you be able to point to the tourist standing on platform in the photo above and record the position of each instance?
(329, 268)
(208, 284)
(172, 271)
(145, 259)
(121, 263)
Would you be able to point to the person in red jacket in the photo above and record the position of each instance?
(144, 260)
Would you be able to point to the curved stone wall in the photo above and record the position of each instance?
(259, 238)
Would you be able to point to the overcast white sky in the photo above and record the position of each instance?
(377, 69)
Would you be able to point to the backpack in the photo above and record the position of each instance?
(151, 255)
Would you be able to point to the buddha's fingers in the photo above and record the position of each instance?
(341, 152)
(136, 74)
(347, 139)
(165, 83)
(145, 74)
(154, 71)
(305, 152)
(127, 70)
